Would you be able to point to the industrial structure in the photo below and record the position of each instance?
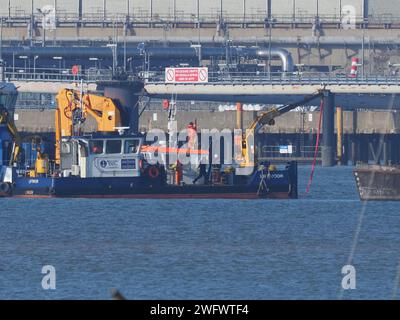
(287, 49)
(320, 35)
(194, 9)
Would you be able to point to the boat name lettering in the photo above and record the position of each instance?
(277, 176)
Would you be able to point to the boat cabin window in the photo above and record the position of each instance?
(113, 146)
(131, 146)
(96, 146)
(65, 148)
(83, 150)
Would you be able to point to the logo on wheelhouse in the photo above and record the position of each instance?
(103, 164)
(108, 164)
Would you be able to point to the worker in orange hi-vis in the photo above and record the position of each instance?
(192, 134)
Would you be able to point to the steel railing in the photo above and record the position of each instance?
(56, 75)
(214, 77)
(281, 78)
(92, 75)
(276, 152)
(144, 16)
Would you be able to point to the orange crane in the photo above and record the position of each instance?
(73, 108)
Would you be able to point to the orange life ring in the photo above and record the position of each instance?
(154, 172)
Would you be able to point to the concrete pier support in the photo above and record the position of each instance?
(346, 150)
(328, 139)
(127, 95)
(363, 145)
(386, 151)
(340, 139)
(394, 150)
(354, 147)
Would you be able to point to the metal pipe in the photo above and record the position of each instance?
(282, 54)
(340, 41)
(244, 11)
(2, 71)
(155, 53)
(1, 40)
(80, 10)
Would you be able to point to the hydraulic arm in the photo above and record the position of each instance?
(73, 108)
(268, 118)
(7, 120)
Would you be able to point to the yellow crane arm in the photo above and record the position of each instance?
(17, 141)
(265, 118)
(104, 111)
(5, 119)
(268, 118)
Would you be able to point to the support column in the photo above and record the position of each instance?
(239, 116)
(394, 149)
(80, 12)
(385, 151)
(364, 148)
(328, 148)
(339, 126)
(346, 150)
(354, 155)
(239, 126)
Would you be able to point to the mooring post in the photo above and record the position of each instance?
(239, 116)
(340, 140)
(328, 138)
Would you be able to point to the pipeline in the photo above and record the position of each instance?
(286, 58)
(154, 53)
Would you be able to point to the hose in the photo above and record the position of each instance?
(310, 181)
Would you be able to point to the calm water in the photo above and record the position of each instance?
(203, 249)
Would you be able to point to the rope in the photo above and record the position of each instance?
(310, 181)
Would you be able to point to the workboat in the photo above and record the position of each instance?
(118, 166)
(118, 162)
(375, 182)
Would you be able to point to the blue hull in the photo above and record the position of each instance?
(141, 187)
(275, 184)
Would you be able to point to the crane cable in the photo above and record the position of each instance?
(310, 181)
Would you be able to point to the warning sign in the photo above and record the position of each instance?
(186, 75)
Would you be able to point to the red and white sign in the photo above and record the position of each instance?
(186, 75)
